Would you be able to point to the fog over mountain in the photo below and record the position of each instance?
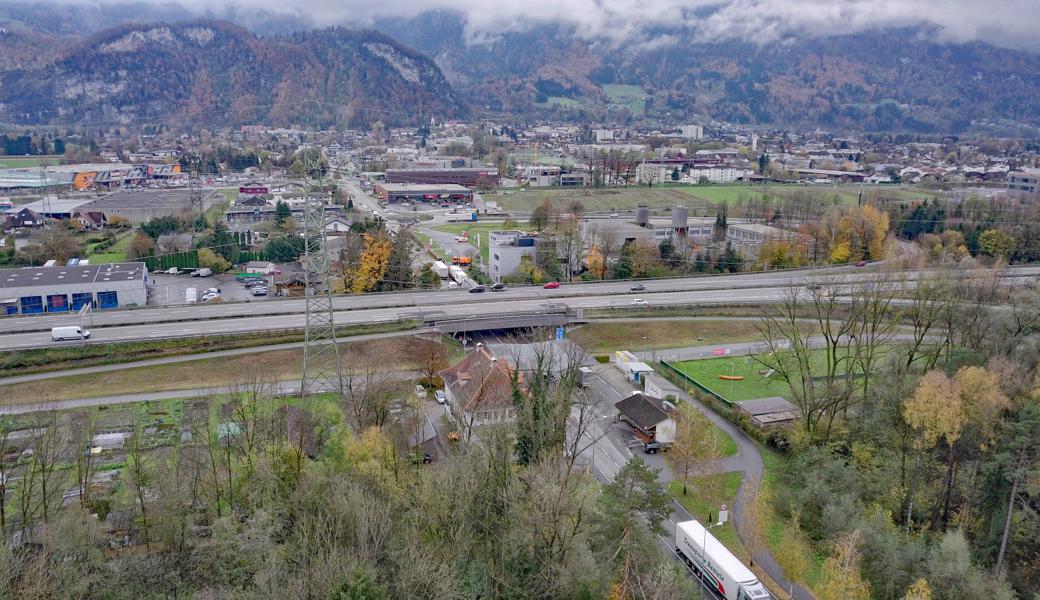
(1004, 23)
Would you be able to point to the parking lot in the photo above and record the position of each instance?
(165, 290)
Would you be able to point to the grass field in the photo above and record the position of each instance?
(474, 229)
(599, 338)
(278, 365)
(753, 386)
(23, 162)
(632, 97)
(115, 253)
(708, 493)
(559, 101)
(701, 196)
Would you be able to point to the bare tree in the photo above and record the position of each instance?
(138, 468)
(368, 385)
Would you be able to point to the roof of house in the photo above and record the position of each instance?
(763, 406)
(643, 411)
(480, 381)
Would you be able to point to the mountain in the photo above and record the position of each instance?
(213, 72)
(892, 80)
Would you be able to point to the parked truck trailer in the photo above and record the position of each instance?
(458, 274)
(715, 565)
(441, 269)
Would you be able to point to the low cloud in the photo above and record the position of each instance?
(1006, 23)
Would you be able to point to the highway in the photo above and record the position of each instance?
(216, 319)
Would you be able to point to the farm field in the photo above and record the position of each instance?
(632, 97)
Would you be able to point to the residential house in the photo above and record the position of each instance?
(91, 220)
(650, 417)
(479, 390)
(25, 218)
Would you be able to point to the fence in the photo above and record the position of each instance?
(683, 377)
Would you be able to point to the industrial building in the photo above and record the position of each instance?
(60, 289)
(1026, 181)
(414, 192)
(470, 178)
(506, 251)
(99, 176)
(138, 206)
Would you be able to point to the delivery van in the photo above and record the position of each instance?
(69, 333)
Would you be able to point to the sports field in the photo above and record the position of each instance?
(25, 162)
(754, 385)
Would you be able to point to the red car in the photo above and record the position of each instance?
(552, 285)
(861, 263)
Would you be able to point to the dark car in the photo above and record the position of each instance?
(498, 287)
(552, 285)
(477, 290)
(813, 287)
(638, 287)
(654, 448)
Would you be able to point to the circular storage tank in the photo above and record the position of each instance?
(680, 218)
(642, 216)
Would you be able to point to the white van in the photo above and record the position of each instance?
(69, 333)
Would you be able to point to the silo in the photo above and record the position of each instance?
(680, 220)
(642, 216)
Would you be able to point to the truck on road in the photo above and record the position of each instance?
(440, 269)
(715, 565)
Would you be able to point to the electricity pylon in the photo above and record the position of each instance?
(321, 367)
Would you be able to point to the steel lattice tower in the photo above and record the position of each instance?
(321, 366)
(198, 211)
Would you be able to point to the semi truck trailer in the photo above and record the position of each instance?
(715, 565)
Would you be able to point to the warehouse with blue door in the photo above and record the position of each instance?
(59, 289)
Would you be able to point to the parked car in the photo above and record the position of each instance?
(212, 290)
(639, 302)
(654, 447)
(439, 395)
(259, 290)
(477, 290)
(552, 285)
(208, 297)
(637, 287)
(498, 287)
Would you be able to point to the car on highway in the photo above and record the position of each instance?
(477, 290)
(69, 333)
(654, 447)
(637, 287)
(498, 287)
(639, 302)
(812, 287)
(861, 263)
(614, 215)
(552, 285)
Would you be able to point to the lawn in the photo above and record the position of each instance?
(701, 198)
(707, 494)
(113, 254)
(632, 97)
(23, 162)
(559, 101)
(474, 230)
(278, 365)
(754, 385)
(603, 337)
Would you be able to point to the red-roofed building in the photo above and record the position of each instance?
(479, 390)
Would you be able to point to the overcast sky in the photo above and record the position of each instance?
(1007, 23)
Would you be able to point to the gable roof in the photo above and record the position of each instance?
(480, 381)
(645, 412)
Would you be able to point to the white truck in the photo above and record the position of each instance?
(458, 274)
(203, 272)
(715, 565)
(440, 268)
(191, 295)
